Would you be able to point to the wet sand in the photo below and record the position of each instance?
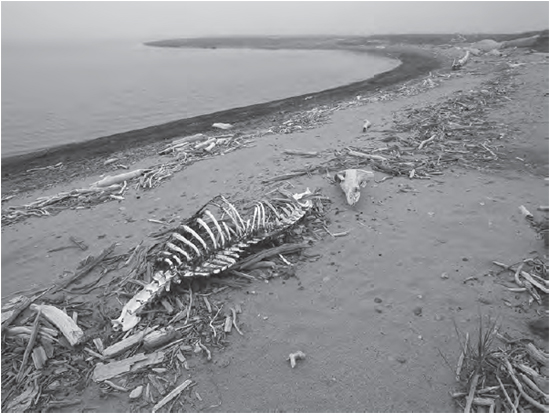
(354, 309)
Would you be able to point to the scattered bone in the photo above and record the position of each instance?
(457, 64)
(295, 356)
(525, 212)
(205, 143)
(366, 125)
(62, 321)
(235, 321)
(351, 181)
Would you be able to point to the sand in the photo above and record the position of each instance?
(354, 310)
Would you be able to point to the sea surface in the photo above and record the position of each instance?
(58, 93)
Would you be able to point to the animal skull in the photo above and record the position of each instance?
(351, 181)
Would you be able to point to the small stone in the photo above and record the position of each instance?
(136, 392)
(417, 311)
(438, 317)
(378, 310)
(377, 300)
(401, 359)
(464, 259)
(444, 275)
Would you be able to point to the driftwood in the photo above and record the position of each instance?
(221, 125)
(159, 338)
(9, 314)
(366, 156)
(125, 344)
(351, 181)
(62, 321)
(188, 139)
(39, 357)
(284, 177)
(302, 153)
(30, 345)
(110, 180)
(107, 371)
(136, 392)
(25, 332)
(173, 394)
(258, 257)
(23, 401)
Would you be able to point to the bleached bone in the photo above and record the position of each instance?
(457, 64)
(184, 259)
(182, 239)
(351, 181)
(196, 236)
(205, 227)
(217, 225)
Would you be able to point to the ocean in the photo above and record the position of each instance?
(58, 93)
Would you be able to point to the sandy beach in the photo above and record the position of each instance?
(376, 310)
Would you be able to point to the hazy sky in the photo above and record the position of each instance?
(157, 20)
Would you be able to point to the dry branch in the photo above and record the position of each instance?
(132, 364)
(173, 394)
(264, 254)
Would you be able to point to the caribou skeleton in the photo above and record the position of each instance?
(205, 245)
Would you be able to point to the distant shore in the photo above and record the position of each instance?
(414, 63)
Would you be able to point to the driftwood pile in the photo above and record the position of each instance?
(509, 378)
(187, 151)
(427, 140)
(61, 340)
(530, 276)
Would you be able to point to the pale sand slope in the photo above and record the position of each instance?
(361, 355)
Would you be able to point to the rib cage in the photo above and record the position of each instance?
(205, 245)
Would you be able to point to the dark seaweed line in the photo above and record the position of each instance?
(414, 63)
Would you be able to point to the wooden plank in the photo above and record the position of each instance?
(125, 344)
(107, 371)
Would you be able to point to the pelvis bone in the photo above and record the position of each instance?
(351, 181)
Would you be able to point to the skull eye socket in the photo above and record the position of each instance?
(339, 177)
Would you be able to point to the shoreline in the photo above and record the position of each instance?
(414, 63)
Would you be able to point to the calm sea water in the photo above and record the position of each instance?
(70, 92)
